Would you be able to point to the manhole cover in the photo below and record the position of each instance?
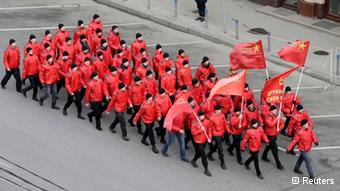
(321, 53)
(259, 31)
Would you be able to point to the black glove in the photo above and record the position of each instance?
(317, 143)
(287, 151)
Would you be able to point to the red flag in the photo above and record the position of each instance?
(233, 85)
(272, 91)
(248, 56)
(178, 108)
(295, 52)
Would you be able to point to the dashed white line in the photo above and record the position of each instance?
(41, 7)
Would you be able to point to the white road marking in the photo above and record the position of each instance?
(324, 116)
(179, 43)
(313, 149)
(41, 7)
(70, 27)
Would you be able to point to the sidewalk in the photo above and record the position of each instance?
(249, 15)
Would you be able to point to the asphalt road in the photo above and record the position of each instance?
(65, 153)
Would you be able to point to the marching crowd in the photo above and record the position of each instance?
(103, 72)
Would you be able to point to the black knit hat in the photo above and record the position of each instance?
(299, 107)
(167, 69)
(184, 87)
(194, 81)
(158, 46)
(148, 96)
(237, 109)
(144, 60)
(249, 102)
(100, 53)
(273, 107)
(138, 35)
(211, 75)
(73, 65)
(246, 85)
(161, 91)
(11, 41)
(94, 74)
(102, 41)
(119, 50)
(98, 30)
(122, 42)
(60, 25)
(190, 99)
(46, 45)
(83, 48)
(166, 55)
(125, 60)
(121, 85)
(48, 57)
(303, 122)
(185, 62)
(86, 59)
(95, 16)
(65, 53)
(114, 27)
(253, 121)
(28, 49)
(201, 113)
(80, 22)
(82, 36)
(112, 68)
(180, 51)
(205, 58)
(68, 39)
(141, 50)
(288, 89)
(137, 79)
(218, 107)
(47, 32)
(32, 36)
(148, 72)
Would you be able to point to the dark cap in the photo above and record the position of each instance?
(95, 16)
(100, 53)
(94, 74)
(218, 107)
(65, 53)
(148, 96)
(201, 113)
(98, 30)
(166, 55)
(205, 58)
(148, 72)
(60, 25)
(73, 65)
(32, 36)
(112, 68)
(114, 27)
(185, 62)
(299, 107)
(28, 49)
(121, 85)
(190, 99)
(237, 109)
(158, 46)
(303, 122)
(11, 41)
(288, 89)
(180, 51)
(47, 32)
(167, 69)
(184, 87)
(194, 81)
(80, 22)
(273, 107)
(161, 90)
(249, 102)
(138, 35)
(253, 121)
(137, 79)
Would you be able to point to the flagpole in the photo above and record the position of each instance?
(199, 121)
(279, 116)
(241, 115)
(267, 74)
(297, 88)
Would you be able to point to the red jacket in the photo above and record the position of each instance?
(141, 71)
(78, 47)
(164, 104)
(137, 93)
(126, 54)
(31, 65)
(70, 49)
(60, 38)
(249, 115)
(64, 66)
(151, 86)
(247, 95)
(265, 110)
(271, 125)
(304, 138)
(48, 73)
(253, 137)
(50, 42)
(94, 91)
(197, 93)
(206, 107)
(190, 117)
(149, 112)
(114, 41)
(110, 84)
(184, 77)
(178, 123)
(77, 33)
(287, 104)
(96, 43)
(156, 59)
(185, 95)
(179, 61)
(295, 122)
(117, 61)
(35, 47)
(44, 53)
(162, 66)
(234, 128)
(202, 73)
(136, 46)
(198, 134)
(74, 81)
(125, 75)
(168, 82)
(219, 124)
(86, 72)
(93, 26)
(101, 68)
(119, 101)
(12, 57)
(225, 101)
(138, 60)
(107, 55)
(80, 58)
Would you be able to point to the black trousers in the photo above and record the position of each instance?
(8, 75)
(172, 98)
(162, 130)
(60, 84)
(96, 112)
(272, 146)
(121, 120)
(105, 105)
(254, 157)
(286, 124)
(200, 153)
(217, 146)
(135, 111)
(82, 93)
(149, 133)
(188, 135)
(236, 145)
(76, 99)
(34, 83)
(201, 7)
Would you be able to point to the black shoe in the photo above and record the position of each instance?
(140, 131)
(113, 130)
(230, 152)
(81, 117)
(41, 102)
(265, 159)
(194, 164)
(202, 19)
(298, 171)
(165, 154)
(145, 142)
(163, 141)
(55, 107)
(223, 166)
(3, 87)
(185, 160)
(90, 118)
(198, 18)
(247, 167)
(292, 152)
(64, 112)
(35, 99)
(207, 172)
(125, 138)
(210, 157)
(99, 128)
(240, 162)
(131, 123)
(280, 167)
(154, 149)
(260, 176)
(24, 93)
(19, 91)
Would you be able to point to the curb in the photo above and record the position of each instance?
(205, 35)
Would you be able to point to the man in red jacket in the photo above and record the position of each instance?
(137, 44)
(272, 130)
(137, 94)
(165, 63)
(49, 76)
(31, 63)
(184, 75)
(149, 112)
(150, 83)
(49, 40)
(236, 129)
(168, 82)
(253, 136)
(32, 43)
(141, 57)
(82, 45)
(141, 70)
(180, 58)
(73, 84)
(118, 58)
(94, 95)
(126, 50)
(119, 102)
(97, 39)
(157, 59)
(197, 91)
(190, 118)
(11, 63)
(164, 103)
(114, 39)
(80, 30)
(100, 65)
(219, 127)
(96, 23)
(305, 138)
(68, 46)
(205, 69)
(250, 113)
(201, 132)
(296, 119)
(64, 64)
(289, 106)
(125, 72)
